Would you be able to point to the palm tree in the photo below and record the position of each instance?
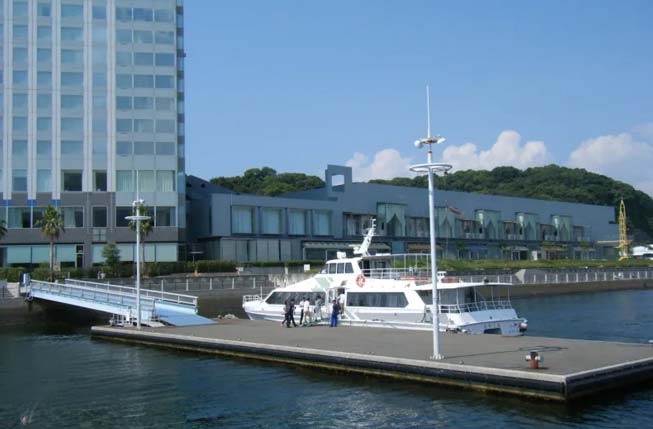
(52, 226)
(146, 228)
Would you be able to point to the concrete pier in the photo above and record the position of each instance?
(570, 368)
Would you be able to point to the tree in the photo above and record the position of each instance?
(111, 255)
(146, 228)
(52, 226)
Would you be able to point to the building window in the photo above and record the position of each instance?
(123, 103)
(165, 104)
(165, 216)
(37, 216)
(73, 217)
(19, 180)
(121, 214)
(71, 34)
(165, 148)
(297, 222)
(44, 101)
(72, 79)
(143, 103)
(163, 15)
(321, 222)
(71, 180)
(123, 14)
(100, 13)
(20, 33)
(165, 37)
(43, 181)
(165, 60)
(19, 217)
(124, 181)
(71, 148)
(19, 124)
(124, 81)
(99, 217)
(123, 58)
(100, 180)
(271, 221)
(44, 33)
(43, 149)
(124, 36)
(44, 124)
(143, 148)
(72, 101)
(141, 14)
(165, 81)
(19, 101)
(19, 149)
(44, 79)
(124, 125)
(242, 220)
(72, 10)
(165, 181)
(143, 58)
(143, 125)
(43, 10)
(145, 180)
(143, 81)
(20, 77)
(44, 56)
(99, 146)
(143, 36)
(165, 126)
(123, 148)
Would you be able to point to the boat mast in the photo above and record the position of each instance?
(367, 241)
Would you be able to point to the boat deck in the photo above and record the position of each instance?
(570, 368)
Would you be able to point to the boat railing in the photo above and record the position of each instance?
(423, 276)
(250, 298)
(470, 307)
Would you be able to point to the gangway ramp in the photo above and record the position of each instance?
(156, 306)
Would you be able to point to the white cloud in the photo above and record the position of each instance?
(645, 131)
(387, 164)
(506, 151)
(618, 156)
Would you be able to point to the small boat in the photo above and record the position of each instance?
(376, 293)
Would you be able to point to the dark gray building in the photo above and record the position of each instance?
(315, 224)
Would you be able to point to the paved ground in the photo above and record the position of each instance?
(561, 356)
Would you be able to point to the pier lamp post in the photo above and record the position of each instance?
(432, 168)
(138, 218)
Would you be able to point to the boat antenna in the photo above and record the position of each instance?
(364, 247)
(428, 112)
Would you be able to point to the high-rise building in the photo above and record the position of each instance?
(92, 108)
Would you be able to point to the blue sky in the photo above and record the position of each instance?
(296, 85)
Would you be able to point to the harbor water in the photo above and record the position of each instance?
(54, 375)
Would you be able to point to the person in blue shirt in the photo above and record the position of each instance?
(335, 311)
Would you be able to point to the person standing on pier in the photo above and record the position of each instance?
(335, 311)
(307, 313)
(301, 308)
(290, 315)
(318, 309)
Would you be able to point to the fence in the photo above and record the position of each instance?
(199, 284)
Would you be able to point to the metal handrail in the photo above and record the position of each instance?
(250, 298)
(149, 293)
(476, 306)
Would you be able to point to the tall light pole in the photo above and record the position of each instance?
(432, 168)
(138, 218)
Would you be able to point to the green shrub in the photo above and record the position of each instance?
(12, 274)
(212, 266)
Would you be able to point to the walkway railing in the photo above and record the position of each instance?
(175, 298)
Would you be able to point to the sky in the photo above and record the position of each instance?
(297, 85)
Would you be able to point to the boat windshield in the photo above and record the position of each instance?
(282, 297)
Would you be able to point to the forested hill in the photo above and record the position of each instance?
(266, 181)
(548, 183)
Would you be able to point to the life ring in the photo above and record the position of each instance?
(360, 280)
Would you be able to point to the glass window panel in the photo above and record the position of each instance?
(19, 180)
(100, 12)
(99, 147)
(124, 81)
(123, 148)
(43, 9)
(121, 214)
(143, 148)
(165, 181)
(123, 103)
(19, 101)
(297, 222)
(44, 101)
(123, 14)
(71, 147)
(43, 149)
(72, 10)
(72, 79)
(141, 14)
(20, 9)
(166, 252)
(72, 56)
(242, 220)
(124, 125)
(143, 103)
(37, 216)
(20, 55)
(100, 180)
(99, 80)
(73, 217)
(44, 124)
(44, 33)
(19, 149)
(123, 58)
(19, 124)
(143, 126)
(165, 59)
(124, 36)
(165, 37)
(20, 32)
(19, 217)
(165, 148)
(43, 181)
(20, 77)
(143, 58)
(165, 81)
(99, 123)
(124, 181)
(99, 101)
(142, 36)
(165, 104)
(71, 34)
(72, 125)
(99, 56)
(165, 216)
(71, 179)
(44, 56)
(145, 180)
(72, 101)
(270, 221)
(100, 217)
(321, 222)
(143, 81)
(165, 126)
(44, 79)
(163, 15)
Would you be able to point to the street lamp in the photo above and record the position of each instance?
(432, 168)
(138, 218)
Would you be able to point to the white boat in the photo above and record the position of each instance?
(377, 294)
